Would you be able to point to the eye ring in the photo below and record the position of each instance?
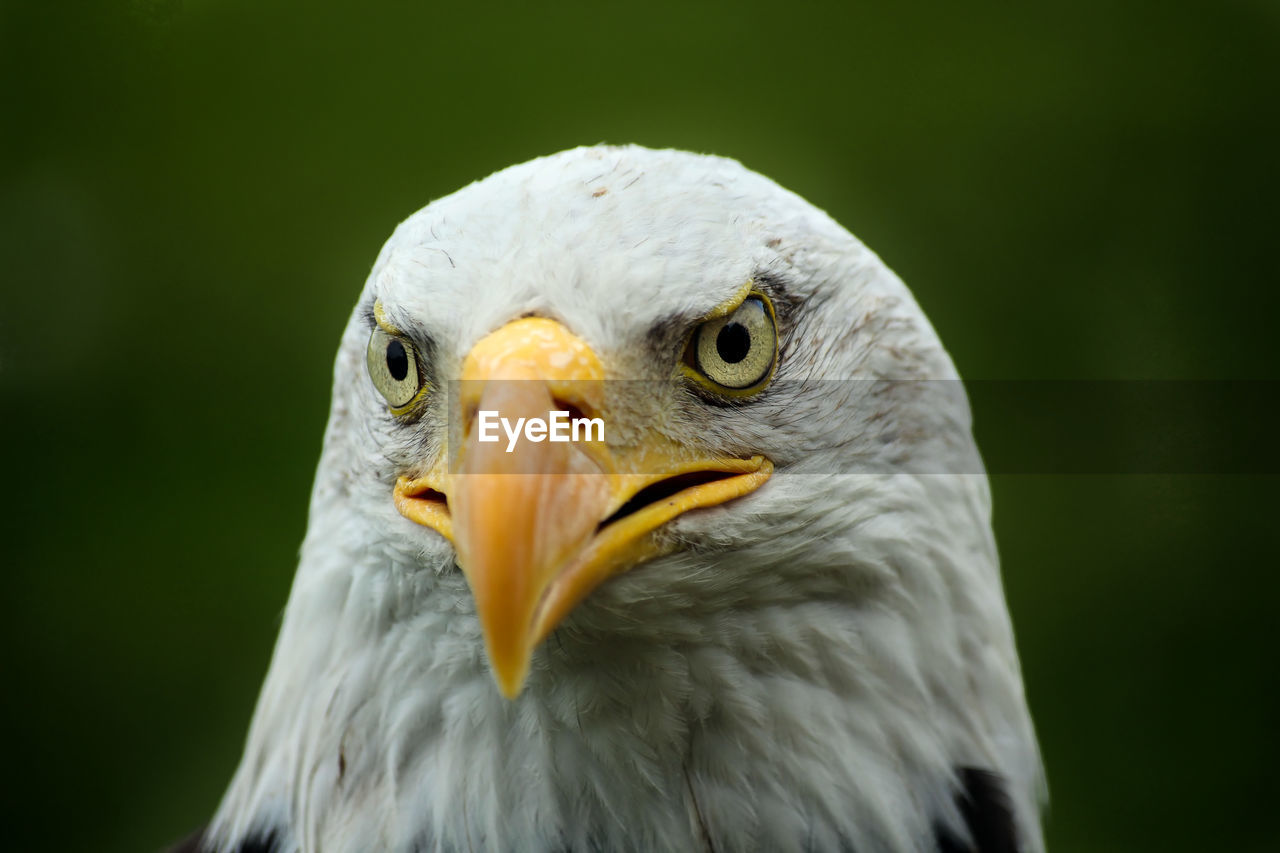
(735, 354)
(394, 369)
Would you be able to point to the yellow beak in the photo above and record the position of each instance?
(538, 524)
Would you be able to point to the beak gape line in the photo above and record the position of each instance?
(559, 428)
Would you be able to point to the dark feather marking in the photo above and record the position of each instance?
(988, 815)
(194, 843)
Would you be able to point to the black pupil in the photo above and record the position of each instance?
(733, 343)
(397, 361)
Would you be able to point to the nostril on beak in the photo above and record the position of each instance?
(575, 413)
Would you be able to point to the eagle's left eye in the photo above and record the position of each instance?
(393, 367)
(736, 353)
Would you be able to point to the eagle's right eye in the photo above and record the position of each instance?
(393, 367)
(735, 354)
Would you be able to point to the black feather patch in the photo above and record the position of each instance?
(987, 813)
(194, 842)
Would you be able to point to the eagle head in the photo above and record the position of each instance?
(648, 517)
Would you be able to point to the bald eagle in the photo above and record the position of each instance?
(759, 609)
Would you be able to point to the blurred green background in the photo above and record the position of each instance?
(191, 194)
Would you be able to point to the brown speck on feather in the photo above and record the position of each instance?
(599, 192)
